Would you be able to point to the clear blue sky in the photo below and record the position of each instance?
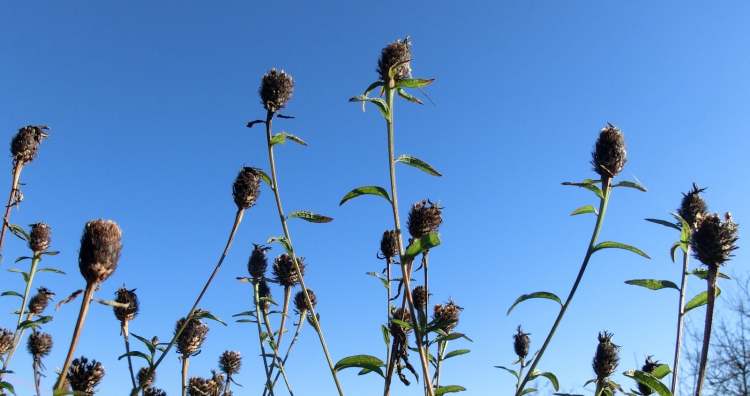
(147, 103)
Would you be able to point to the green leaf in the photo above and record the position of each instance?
(11, 293)
(281, 138)
(368, 362)
(19, 231)
(648, 380)
(53, 270)
(618, 245)
(451, 337)
(418, 246)
(414, 82)
(380, 103)
(208, 315)
(441, 390)
(373, 86)
(457, 352)
(511, 371)
(310, 216)
(630, 184)
(24, 274)
(382, 279)
(418, 163)
(30, 324)
(281, 240)
(699, 300)
(584, 209)
(653, 284)
(661, 371)
(665, 223)
(539, 294)
(550, 376)
(404, 325)
(673, 250)
(136, 354)
(7, 386)
(264, 177)
(22, 258)
(386, 335)
(528, 390)
(365, 190)
(703, 274)
(51, 253)
(411, 98)
(587, 184)
(151, 347)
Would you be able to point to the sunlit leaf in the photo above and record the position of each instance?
(418, 163)
(365, 190)
(699, 300)
(589, 185)
(530, 296)
(418, 246)
(511, 371)
(546, 374)
(457, 352)
(378, 102)
(703, 274)
(665, 223)
(310, 216)
(618, 245)
(653, 284)
(441, 390)
(414, 82)
(583, 210)
(630, 184)
(648, 380)
(11, 293)
(368, 362)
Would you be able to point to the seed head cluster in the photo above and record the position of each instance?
(213, 386)
(395, 53)
(285, 272)
(39, 344)
(40, 300)
(146, 380)
(129, 298)
(300, 303)
(420, 297)
(258, 262)
(276, 89)
(84, 375)
(25, 144)
(714, 240)
(446, 316)
(389, 244)
(609, 154)
(40, 237)
(6, 340)
(101, 245)
(425, 217)
(246, 187)
(693, 206)
(606, 358)
(521, 343)
(192, 337)
(230, 362)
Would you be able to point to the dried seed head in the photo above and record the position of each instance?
(101, 245)
(648, 367)
(25, 144)
(151, 391)
(40, 237)
(389, 244)
(276, 89)
(693, 206)
(39, 344)
(258, 262)
(446, 316)
(144, 379)
(301, 303)
(264, 295)
(125, 296)
(203, 387)
(714, 240)
(84, 376)
(606, 359)
(39, 302)
(246, 187)
(402, 314)
(191, 339)
(521, 342)
(6, 340)
(285, 272)
(230, 362)
(420, 297)
(425, 217)
(395, 53)
(609, 155)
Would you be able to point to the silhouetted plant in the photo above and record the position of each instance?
(39, 345)
(125, 314)
(84, 376)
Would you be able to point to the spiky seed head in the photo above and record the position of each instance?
(609, 154)
(230, 362)
(101, 245)
(128, 297)
(144, 379)
(258, 262)
(396, 329)
(285, 272)
(40, 300)
(39, 344)
(264, 295)
(191, 339)
(40, 237)
(425, 217)
(6, 340)
(446, 316)
(301, 303)
(25, 144)
(389, 244)
(606, 358)
(198, 386)
(420, 297)
(395, 53)
(693, 206)
(714, 240)
(276, 89)
(521, 342)
(84, 375)
(648, 367)
(246, 187)
(151, 391)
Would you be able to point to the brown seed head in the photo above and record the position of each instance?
(126, 296)
(39, 344)
(203, 387)
(6, 340)
(606, 359)
(389, 244)
(101, 245)
(246, 187)
(40, 237)
(648, 367)
(285, 272)
(609, 154)
(84, 376)
(25, 144)
(395, 53)
(151, 391)
(41, 299)
(402, 314)
(264, 295)
(446, 316)
(425, 217)
(521, 342)
(301, 303)
(693, 206)
(230, 362)
(144, 379)
(420, 297)
(258, 262)
(714, 240)
(276, 89)
(191, 339)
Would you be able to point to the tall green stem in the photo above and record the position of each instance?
(713, 271)
(388, 303)
(288, 237)
(301, 322)
(24, 301)
(256, 298)
(17, 167)
(606, 191)
(85, 302)
(275, 361)
(126, 338)
(680, 319)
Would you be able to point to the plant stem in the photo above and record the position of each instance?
(277, 343)
(606, 190)
(17, 167)
(388, 303)
(126, 337)
(87, 296)
(287, 235)
(680, 319)
(442, 346)
(711, 300)
(521, 366)
(425, 268)
(37, 363)
(226, 385)
(275, 360)
(19, 331)
(256, 297)
(302, 316)
(185, 365)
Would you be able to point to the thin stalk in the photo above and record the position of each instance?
(388, 303)
(185, 365)
(425, 268)
(87, 296)
(37, 366)
(256, 298)
(126, 338)
(226, 384)
(19, 331)
(521, 366)
(17, 167)
(606, 190)
(442, 346)
(711, 290)
(284, 312)
(275, 360)
(287, 235)
(291, 344)
(680, 319)
(599, 388)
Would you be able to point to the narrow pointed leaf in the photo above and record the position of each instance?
(11, 293)
(418, 246)
(550, 376)
(653, 284)
(441, 390)
(7, 386)
(511, 371)
(53, 270)
(368, 362)
(310, 216)
(665, 223)
(528, 390)
(703, 274)
(457, 352)
(366, 190)
(661, 371)
(699, 300)
(630, 184)
(282, 137)
(419, 164)
(136, 354)
(380, 103)
(411, 98)
(583, 210)
(414, 82)
(618, 245)
(540, 294)
(587, 184)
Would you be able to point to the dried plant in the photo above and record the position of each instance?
(125, 313)
(39, 345)
(84, 375)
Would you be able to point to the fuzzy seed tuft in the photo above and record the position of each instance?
(693, 206)
(230, 362)
(395, 53)
(40, 300)
(389, 245)
(126, 296)
(446, 316)
(144, 379)
(151, 391)
(606, 359)
(285, 272)
(101, 245)
(301, 303)
(40, 237)
(714, 240)
(609, 154)
(425, 217)
(258, 262)
(39, 344)
(246, 187)
(521, 342)
(191, 339)
(85, 375)
(25, 144)
(420, 297)
(276, 89)
(6, 340)
(649, 368)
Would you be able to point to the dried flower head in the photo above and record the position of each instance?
(40, 300)
(389, 244)
(230, 362)
(84, 376)
(128, 297)
(276, 89)
(301, 303)
(264, 295)
(714, 240)
(151, 391)
(521, 342)
(285, 272)
(6, 340)
(246, 187)
(40, 237)
(693, 206)
(606, 359)
(398, 331)
(25, 144)
(648, 367)
(420, 297)
(609, 154)
(198, 386)
(101, 245)
(425, 217)
(258, 262)
(39, 344)
(192, 337)
(446, 316)
(396, 54)
(146, 380)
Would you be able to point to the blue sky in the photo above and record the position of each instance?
(147, 104)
